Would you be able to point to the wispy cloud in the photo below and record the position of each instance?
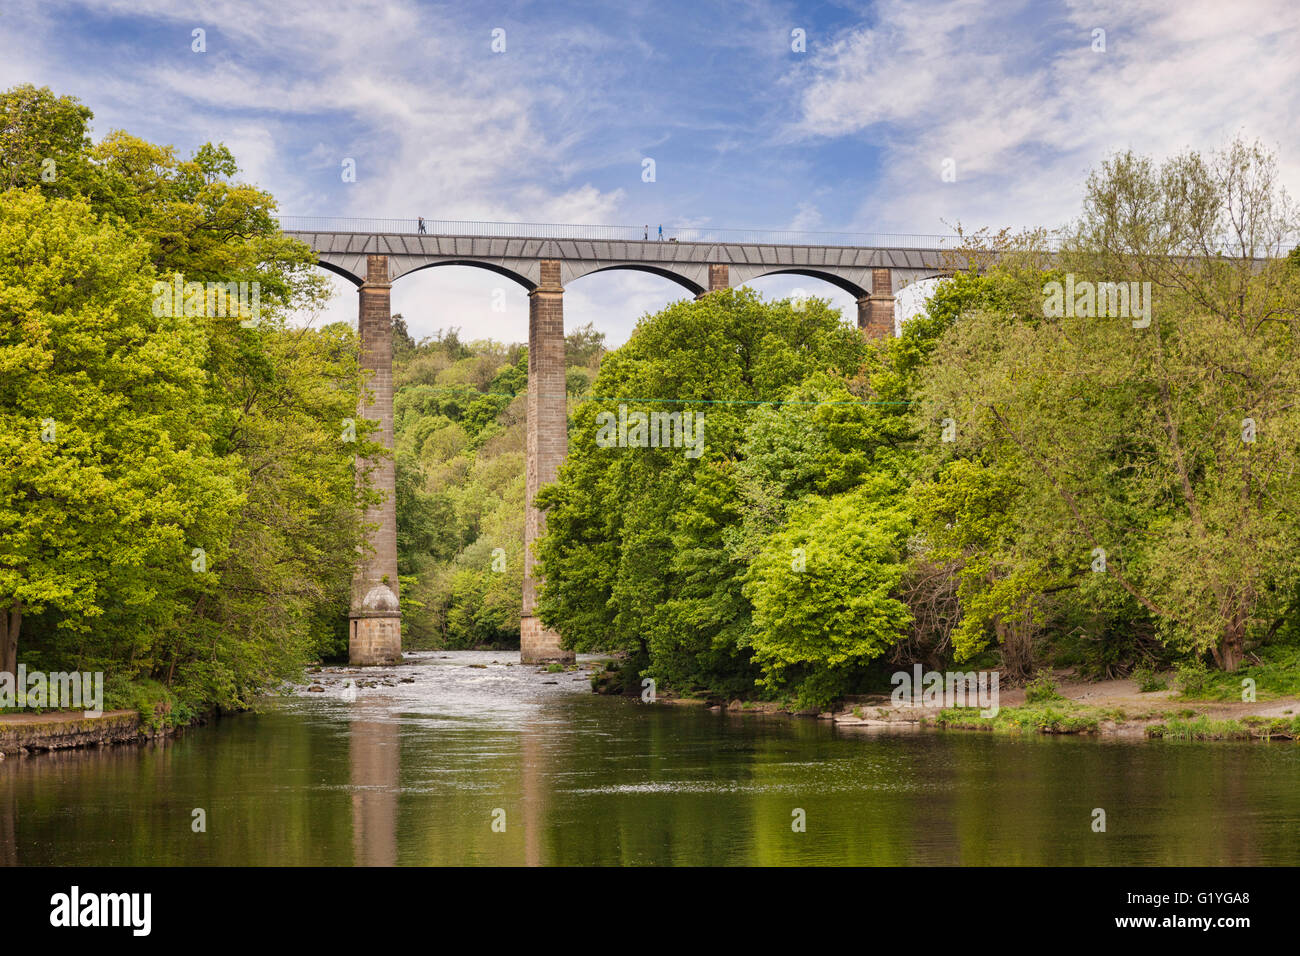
(745, 131)
(1025, 104)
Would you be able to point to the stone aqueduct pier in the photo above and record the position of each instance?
(543, 259)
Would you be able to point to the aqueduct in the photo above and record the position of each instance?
(543, 259)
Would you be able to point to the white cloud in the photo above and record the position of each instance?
(437, 124)
(1025, 116)
(441, 127)
(434, 120)
(807, 218)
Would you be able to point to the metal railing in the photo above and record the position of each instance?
(530, 230)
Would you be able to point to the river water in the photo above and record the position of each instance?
(459, 759)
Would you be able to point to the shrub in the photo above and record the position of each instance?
(1147, 679)
(1193, 678)
(1042, 688)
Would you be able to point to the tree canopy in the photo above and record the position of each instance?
(177, 499)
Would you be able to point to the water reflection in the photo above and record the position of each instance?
(374, 747)
(532, 792)
(411, 772)
(8, 836)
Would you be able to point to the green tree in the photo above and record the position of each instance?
(43, 142)
(583, 345)
(1153, 456)
(283, 588)
(636, 554)
(824, 590)
(270, 415)
(108, 474)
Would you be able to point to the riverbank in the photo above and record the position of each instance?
(1113, 708)
(416, 767)
(69, 729)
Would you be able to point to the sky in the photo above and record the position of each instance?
(904, 117)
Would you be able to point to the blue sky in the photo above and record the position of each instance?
(850, 135)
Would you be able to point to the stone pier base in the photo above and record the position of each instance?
(539, 645)
(375, 640)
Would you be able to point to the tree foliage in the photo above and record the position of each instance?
(1167, 449)
(194, 518)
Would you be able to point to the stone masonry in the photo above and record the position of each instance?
(876, 310)
(547, 445)
(718, 277)
(686, 263)
(375, 620)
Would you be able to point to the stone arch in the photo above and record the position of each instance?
(694, 287)
(340, 271)
(911, 295)
(499, 268)
(854, 289)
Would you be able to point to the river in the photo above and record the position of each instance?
(457, 758)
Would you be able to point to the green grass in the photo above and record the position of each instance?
(1046, 719)
(1069, 718)
(1277, 675)
(1199, 728)
(1208, 728)
(1269, 727)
